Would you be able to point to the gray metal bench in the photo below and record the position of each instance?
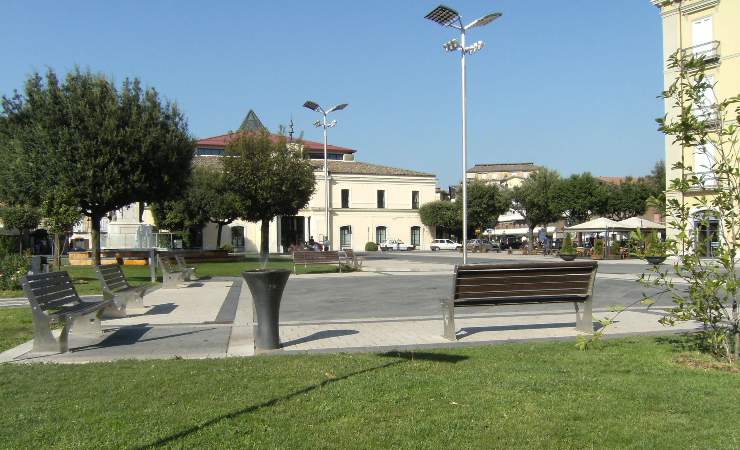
(522, 283)
(54, 299)
(172, 276)
(188, 272)
(351, 258)
(306, 258)
(117, 288)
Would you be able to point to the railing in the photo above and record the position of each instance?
(708, 114)
(707, 181)
(141, 240)
(708, 50)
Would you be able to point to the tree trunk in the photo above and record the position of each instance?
(530, 238)
(95, 236)
(57, 252)
(218, 236)
(265, 240)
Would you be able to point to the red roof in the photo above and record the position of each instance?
(222, 140)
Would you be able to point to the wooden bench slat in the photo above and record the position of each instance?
(520, 293)
(516, 287)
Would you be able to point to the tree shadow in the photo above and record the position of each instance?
(130, 336)
(162, 308)
(683, 342)
(326, 334)
(405, 356)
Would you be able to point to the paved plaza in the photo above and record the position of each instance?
(393, 303)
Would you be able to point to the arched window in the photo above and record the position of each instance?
(416, 236)
(379, 235)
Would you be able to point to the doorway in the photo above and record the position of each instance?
(292, 231)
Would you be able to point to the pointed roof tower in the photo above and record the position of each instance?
(251, 123)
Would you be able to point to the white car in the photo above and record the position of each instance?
(395, 244)
(444, 244)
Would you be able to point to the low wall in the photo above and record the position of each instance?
(141, 257)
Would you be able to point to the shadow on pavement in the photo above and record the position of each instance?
(320, 335)
(468, 331)
(130, 336)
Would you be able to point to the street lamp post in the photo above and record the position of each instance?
(325, 125)
(448, 17)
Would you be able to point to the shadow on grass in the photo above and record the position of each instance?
(683, 342)
(405, 356)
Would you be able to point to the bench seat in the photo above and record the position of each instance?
(116, 287)
(310, 257)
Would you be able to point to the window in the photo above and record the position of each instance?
(345, 198)
(701, 37)
(414, 199)
(329, 156)
(704, 162)
(345, 237)
(379, 235)
(200, 151)
(381, 199)
(416, 236)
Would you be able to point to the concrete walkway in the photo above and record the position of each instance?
(215, 319)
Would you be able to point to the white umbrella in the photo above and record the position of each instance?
(642, 224)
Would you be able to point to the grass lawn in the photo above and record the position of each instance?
(87, 283)
(15, 327)
(630, 393)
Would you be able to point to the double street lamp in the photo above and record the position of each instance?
(448, 17)
(325, 125)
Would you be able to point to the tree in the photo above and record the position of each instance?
(60, 213)
(536, 200)
(624, 200)
(657, 182)
(441, 213)
(579, 196)
(268, 178)
(23, 218)
(105, 147)
(485, 203)
(211, 194)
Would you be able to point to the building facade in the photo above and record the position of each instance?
(508, 175)
(710, 28)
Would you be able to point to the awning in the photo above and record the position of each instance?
(598, 225)
(642, 224)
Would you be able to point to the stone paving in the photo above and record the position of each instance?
(215, 318)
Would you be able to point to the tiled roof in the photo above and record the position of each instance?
(504, 167)
(221, 141)
(338, 167)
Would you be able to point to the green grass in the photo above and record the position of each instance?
(15, 327)
(630, 393)
(87, 283)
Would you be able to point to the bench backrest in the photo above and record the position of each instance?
(180, 260)
(489, 284)
(47, 291)
(112, 278)
(350, 253)
(316, 257)
(165, 264)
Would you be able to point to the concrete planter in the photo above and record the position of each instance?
(570, 257)
(267, 288)
(655, 260)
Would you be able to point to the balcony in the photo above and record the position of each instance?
(709, 115)
(708, 50)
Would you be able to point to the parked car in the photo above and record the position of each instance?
(395, 244)
(444, 244)
(478, 245)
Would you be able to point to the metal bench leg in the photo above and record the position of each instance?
(584, 316)
(169, 281)
(115, 310)
(448, 318)
(44, 340)
(136, 299)
(87, 325)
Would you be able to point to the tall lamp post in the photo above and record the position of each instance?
(325, 125)
(448, 17)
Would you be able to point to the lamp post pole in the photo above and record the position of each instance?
(326, 125)
(448, 17)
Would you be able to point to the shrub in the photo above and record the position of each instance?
(567, 248)
(371, 247)
(228, 247)
(654, 246)
(599, 247)
(8, 245)
(616, 246)
(12, 269)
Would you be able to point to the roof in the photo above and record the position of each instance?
(223, 139)
(504, 167)
(338, 167)
(251, 123)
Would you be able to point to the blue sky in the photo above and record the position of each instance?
(571, 84)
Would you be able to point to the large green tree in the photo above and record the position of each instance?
(212, 195)
(269, 179)
(624, 200)
(441, 213)
(23, 218)
(102, 145)
(486, 202)
(536, 200)
(60, 213)
(579, 197)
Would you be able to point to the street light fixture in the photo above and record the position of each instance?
(325, 125)
(448, 17)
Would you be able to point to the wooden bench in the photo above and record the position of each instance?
(117, 288)
(188, 272)
(172, 276)
(350, 258)
(522, 283)
(54, 299)
(306, 258)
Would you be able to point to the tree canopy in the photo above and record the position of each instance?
(536, 200)
(268, 178)
(486, 202)
(579, 197)
(441, 213)
(103, 146)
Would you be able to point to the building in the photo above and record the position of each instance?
(709, 28)
(509, 175)
(368, 203)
